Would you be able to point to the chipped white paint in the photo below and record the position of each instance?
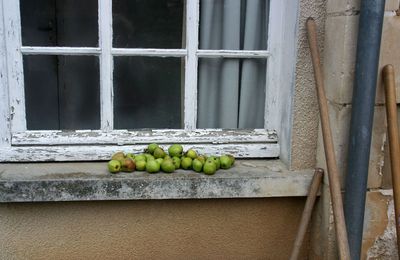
(278, 86)
(275, 39)
(149, 52)
(124, 137)
(281, 68)
(106, 65)
(30, 50)
(191, 64)
(103, 152)
(5, 131)
(12, 25)
(232, 54)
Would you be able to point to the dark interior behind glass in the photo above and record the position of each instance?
(71, 23)
(62, 92)
(147, 92)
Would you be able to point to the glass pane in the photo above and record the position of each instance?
(148, 23)
(59, 23)
(231, 93)
(234, 24)
(147, 92)
(62, 92)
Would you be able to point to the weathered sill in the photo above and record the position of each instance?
(31, 182)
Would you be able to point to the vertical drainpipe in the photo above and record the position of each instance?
(367, 60)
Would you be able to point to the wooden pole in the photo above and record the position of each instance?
(394, 145)
(307, 212)
(333, 172)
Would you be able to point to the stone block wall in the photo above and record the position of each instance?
(341, 25)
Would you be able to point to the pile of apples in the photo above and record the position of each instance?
(155, 159)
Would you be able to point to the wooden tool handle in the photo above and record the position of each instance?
(394, 145)
(333, 172)
(307, 212)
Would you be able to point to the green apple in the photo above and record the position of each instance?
(151, 147)
(130, 155)
(149, 157)
(118, 156)
(128, 165)
(216, 161)
(140, 157)
(160, 160)
(175, 150)
(191, 153)
(226, 162)
(209, 167)
(167, 166)
(141, 165)
(152, 166)
(201, 158)
(177, 162)
(186, 163)
(159, 153)
(232, 159)
(197, 165)
(114, 166)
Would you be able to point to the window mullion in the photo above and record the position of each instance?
(106, 65)
(272, 115)
(192, 36)
(12, 26)
(5, 134)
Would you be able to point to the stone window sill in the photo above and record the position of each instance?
(90, 181)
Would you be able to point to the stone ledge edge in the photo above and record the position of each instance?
(287, 185)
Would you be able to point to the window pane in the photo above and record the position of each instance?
(59, 23)
(147, 92)
(231, 93)
(148, 23)
(62, 92)
(234, 24)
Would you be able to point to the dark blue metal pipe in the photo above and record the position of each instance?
(367, 59)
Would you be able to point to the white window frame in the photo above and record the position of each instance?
(19, 144)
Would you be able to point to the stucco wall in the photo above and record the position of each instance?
(234, 229)
(180, 229)
(186, 229)
(305, 106)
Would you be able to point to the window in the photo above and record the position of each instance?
(84, 80)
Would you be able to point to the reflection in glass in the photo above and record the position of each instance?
(62, 92)
(69, 23)
(148, 23)
(147, 92)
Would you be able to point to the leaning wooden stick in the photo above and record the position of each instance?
(394, 144)
(307, 212)
(333, 172)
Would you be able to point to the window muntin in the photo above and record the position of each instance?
(191, 54)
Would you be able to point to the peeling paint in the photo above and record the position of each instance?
(385, 246)
(144, 137)
(104, 152)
